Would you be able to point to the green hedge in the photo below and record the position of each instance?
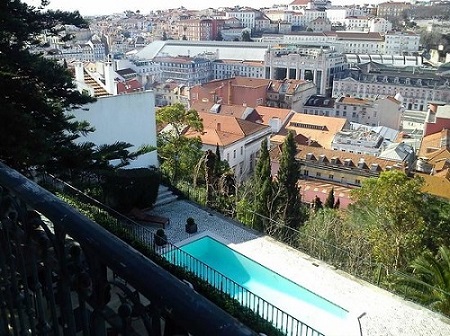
(125, 189)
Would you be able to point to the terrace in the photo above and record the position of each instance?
(144, 298)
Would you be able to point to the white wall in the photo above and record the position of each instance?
(129, 118)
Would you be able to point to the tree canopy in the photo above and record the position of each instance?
(428, 281)
(289, 207)
(397, 203)
(36, 92)
(179, 155)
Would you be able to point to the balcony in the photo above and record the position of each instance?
(63, 274)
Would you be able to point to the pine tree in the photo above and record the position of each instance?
(329, 202)
(262, 188)
(36, 92)
(218, 162)
(288, 200)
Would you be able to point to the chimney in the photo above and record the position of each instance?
(219, 127)
(79, 72)
(110, 84)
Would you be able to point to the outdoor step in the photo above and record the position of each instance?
(162, 188)
(165, 199)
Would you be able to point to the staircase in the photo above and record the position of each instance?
(165, 196)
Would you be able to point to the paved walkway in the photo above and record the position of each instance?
(385, 313)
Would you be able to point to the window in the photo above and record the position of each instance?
(331, 176)
(357, 181)
(234, 154)
(318, 174)
(306, 173)
(228, 156)
(242, 150)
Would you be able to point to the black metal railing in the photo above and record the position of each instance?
(56, 276)
(283, 321)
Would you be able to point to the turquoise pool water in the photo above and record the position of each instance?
(281, 292)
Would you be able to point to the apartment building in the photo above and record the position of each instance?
(232, 68)
(392, 9)
(185, 70)
(415, 86)
(253, 92)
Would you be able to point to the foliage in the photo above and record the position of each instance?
(436, 231)
(287, 192)
(428, 281)
(338, 238)
(246, 36)
(262, 189)
(396, 202)
(34, 129)
(329, 202)
(126, 189)
(178, 153)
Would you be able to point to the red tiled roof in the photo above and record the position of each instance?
(224, 130)
(129, 86)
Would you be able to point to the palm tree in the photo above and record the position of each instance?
(429, 281)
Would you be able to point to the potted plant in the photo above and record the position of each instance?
(191, 226)
(160, 237)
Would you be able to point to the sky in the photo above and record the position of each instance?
(99, 7)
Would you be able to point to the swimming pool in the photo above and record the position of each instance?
(299, 302)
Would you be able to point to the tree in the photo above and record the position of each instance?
(436, 231)
(289, 210)
(396, 202)
(246, 36)
(178, 153)
(428, 281)
(317, 204)
(35, 129)
(329, 202)
(262, 189)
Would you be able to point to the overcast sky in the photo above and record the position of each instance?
(96, 7)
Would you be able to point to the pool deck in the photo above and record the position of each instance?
(385, 313)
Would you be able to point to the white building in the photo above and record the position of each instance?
(232, 68)
(383, 111)
(148, 71)
(379, 25)
(316, 64)
(239, 140)
(247, 16)
(386, 111)
(129, 118)
(398, 43)
(363, 139)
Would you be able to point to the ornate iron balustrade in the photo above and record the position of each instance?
(285, 322)
(56, 276)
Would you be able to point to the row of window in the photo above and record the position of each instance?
(331, 177)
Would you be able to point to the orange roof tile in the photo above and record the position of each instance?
(436, 185)
(223, 129)
(433, 143)
(320, 129)
(267, 113)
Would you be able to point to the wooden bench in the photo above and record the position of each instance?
(141, 216)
